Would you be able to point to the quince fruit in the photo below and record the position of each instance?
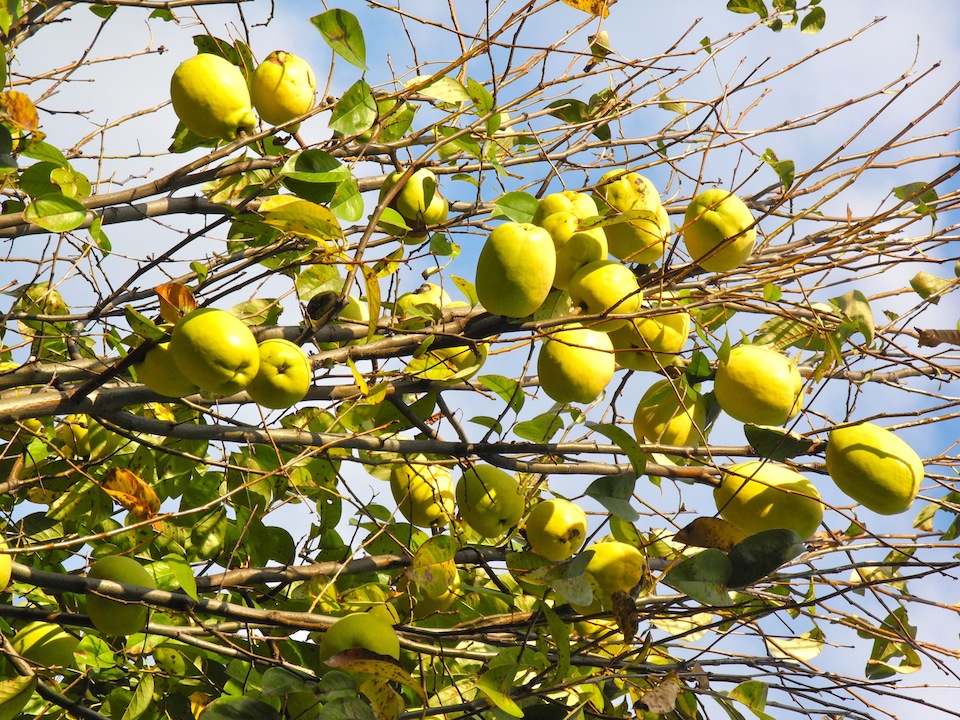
(420, 300)
(759, 495)
(46, 644)
(159, 372)
(364, 630)
(641, 236)
(606, 286)
(719, 230)
(115, 617)
(87, 439)
(671, 414)
(516, 269)
(284, 375)
(575, 364)
(556, 528)
(449, 365)
(757, 384)
(420, 201)
(215, 350)
(616, 566)
(424, 493)
(211, 98)
(490, 500)
(874, 467)
(283, 88)
(652, 343)
(574, 247)
(579, 204)
(6, 566)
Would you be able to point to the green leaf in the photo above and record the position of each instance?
(355, 111)
(488, 685)
(455, 145)
(432, 567)
(855, 307)
(183, 574)
(814, 20)
(277, 682)
(517, 206)
(703, 577)
(467, 288)
(347, 202)
(142, 325)
(445, 89)
(239, 708)
(507, 389)
(775, 443)
(753, 694)
(14, 694)
(748, 6)
(784, 169)
(541, 429)
(922, 195)
(803, 648)
(626, 442)
(930, 287)
(560, 632)
(569, 579)
(614, 492)
(93, 652)
(56, 213)
(342, 32)
(142, 698)
(761, 554)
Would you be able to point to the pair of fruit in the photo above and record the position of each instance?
(213, 350)
(418, 201)
(211, 97)
(638, 225)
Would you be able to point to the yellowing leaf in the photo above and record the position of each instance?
(380, 666)
(301, 217)
(594, 7)
(384, 700)
(803, 648)
(18, 110)
(710, 532)
(175, 301)
(131, 492)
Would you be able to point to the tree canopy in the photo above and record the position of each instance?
(605, 378)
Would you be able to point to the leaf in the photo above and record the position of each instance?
(239, 708)
(355, 111)
(142, 698)
(142, 325)
(854, 306)
(506, 389)
(814, 20)
(703, 577)
(18, 110)
(930, 287)
(784, 169)
(541, 429)
(131, 492)
(56, 213)
(710, 532)
(301, 217)
(14, 694)
(342, 32)
(517, 206)
(382, 666)
(489, 687)
(932, 338)
(175, 301)
(748, 6)
(775, 443)
(614, 492)
(347, 202)
(761, 554)
(622, 439)
(445, 89)
(625, 613)
(921, 194)
(432, 567)
(599, 8)
(569, 578)
(467, 288)
(182, 573)
(560, 632)
(661, 699)
(803, 648)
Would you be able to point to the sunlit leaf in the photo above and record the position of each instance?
(507, 389)
(382, 666)
(131, 492)
(814, 20)
(18, 110)
(176, 301)
(14, 694)
(56, 213)
(748, 6)
(803, 647)
(301, 217)
(518, 206)
(614, 492)
(355, 111)
(930, 287)
(600, 8)
(784, 169)
(445, 89)
(342, 32)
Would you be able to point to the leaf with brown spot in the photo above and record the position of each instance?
(131, 492)
(381, 666)
(600, 8)
(710, 532)
(384, 700)
(625, 613)
(19, 110)
(175, 301)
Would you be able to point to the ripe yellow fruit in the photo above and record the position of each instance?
(215, 350)
(556, 528)
(616, 566)
(115, 617)
(282, 87)
(284, 375)
(641, 237)
(159, 372)
(46, 644)
(424, 493)
(718, 219)
(606, 286)
(419, 200)
(670, 414)
(651, 343)
(211, 98)
(516, 269)
(579, 204)
(87, 439)
(575, 364)
(490, 500)
(360, 630)
(759, 385)
(574, 247)
(874, 467)
(758, 495)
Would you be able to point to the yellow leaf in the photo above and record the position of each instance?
(18, 110)
(175, 301)
(131, 492)
(384, 700)
(380, 666)
(301, 217)
(710, 532)
(594, 7)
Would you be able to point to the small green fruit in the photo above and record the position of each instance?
(211, 98)
(424, 493)
(516, 269)
(760, 495)
(115, 617)
(874, 467)
(575, 364)
(719, 230)
(490, 500)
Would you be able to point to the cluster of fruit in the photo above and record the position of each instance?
(212, 98)
(418, 200)
(213, 351)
